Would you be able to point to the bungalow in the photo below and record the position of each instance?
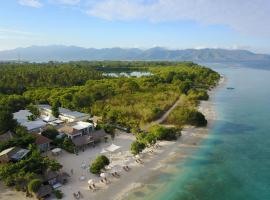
(7, 136)
(55, 178)
(43, 192)
(91, 138)
(34, 126)
(64, 114)
(12, 154)
(42, 142)
(77, 130)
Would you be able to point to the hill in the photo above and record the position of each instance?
(73, 53)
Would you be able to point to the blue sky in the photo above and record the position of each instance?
(174, 24)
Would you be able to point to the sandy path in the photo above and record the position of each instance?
(164, 116)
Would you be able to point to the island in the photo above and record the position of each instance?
(70, 130)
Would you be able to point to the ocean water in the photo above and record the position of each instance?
(233, 163)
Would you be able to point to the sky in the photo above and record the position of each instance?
(173, 24)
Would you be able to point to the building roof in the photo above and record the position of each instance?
(40, 139)
(82, 125)
(6, 151)
(44, 106)
(67, 130)
(31, 125)
(50, 174)
(71, 114)
(22, 116)
(7, 136)
(43, 191)
(19, 154)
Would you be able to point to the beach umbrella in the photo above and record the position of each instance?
(90, 181)
(137, 156)
(113, 148)
(103, 175)
(103, 151)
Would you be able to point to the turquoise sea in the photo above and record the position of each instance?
(233, 163)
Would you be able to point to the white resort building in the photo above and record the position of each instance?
(64, 114)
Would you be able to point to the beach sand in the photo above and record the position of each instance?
(139, 174)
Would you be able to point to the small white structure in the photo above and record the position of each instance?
(113, 148)
(64, 114)
(48, 118)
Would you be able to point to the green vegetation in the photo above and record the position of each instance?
(163, 133)
(137, 147)
(126, 101)
(17, 78)
(50, 132)
(186, 113)
(22, 173)
(34, 110)
(99, 164)
(6, 120)
(58, 194)
(34, 185)
(22, 139)
(156, 132)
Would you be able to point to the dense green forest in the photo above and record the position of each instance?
(127, 101)
(17, 78)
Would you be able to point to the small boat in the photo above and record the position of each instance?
(230, 88)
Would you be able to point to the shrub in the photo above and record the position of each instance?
(163, 133)
(34, 185)
(68, 145)
(137, 147)
(198, 95)
(182, 116)
(50, 132)
(98, 164)
(109, 129)
(198, 119)
(58, 194)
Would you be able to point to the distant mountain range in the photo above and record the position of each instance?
(73, 53)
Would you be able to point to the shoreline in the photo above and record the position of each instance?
(187, 143)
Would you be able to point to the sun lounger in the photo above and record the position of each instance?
(126, 168)
(105, 181)
(76, 196)
(115, 174)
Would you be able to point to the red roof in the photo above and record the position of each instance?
(40, 139)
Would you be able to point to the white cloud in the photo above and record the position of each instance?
(66, 2)
(31, 3)
(246, 16)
